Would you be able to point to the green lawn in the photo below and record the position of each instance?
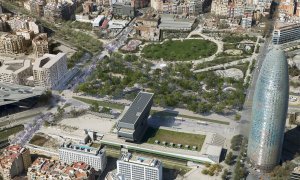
(175, 137)
(164, 113)
(177, 50)
(101, 103)
(4, 134)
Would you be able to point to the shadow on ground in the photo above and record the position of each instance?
(291, 144)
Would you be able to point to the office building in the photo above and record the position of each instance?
(49, 69)
(43, 168)
(295, 175)
(40, 45)
(139, 168)
(15, 71)
(12, 44)
(123, 9)
(133, 124)
(269, 110)
(284, 33)
(13, 161)
(95, 157)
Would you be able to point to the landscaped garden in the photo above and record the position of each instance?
(174, 139)
(177, 50)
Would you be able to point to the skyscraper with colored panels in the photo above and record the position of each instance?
(270, 103)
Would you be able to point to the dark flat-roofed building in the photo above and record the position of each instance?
(133, 124)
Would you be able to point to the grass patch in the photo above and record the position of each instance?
(38, 140)
(4, 134)
(101, 103)
(175, 137)
(164, 113)
(95, 145)
(185, 50)
(218, 61)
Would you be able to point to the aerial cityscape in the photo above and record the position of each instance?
(149, 90)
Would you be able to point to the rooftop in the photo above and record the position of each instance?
(137, 107)
(9, 155)
(47, 60)
(82, 148)
(14, 66)
(11, 93)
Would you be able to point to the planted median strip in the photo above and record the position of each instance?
(100, 103)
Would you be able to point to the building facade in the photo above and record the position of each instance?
(123, 9)
(13, 161)
(15, 71)
(139, 168)
(40, 45)
(95, 157)
(286, 33)
(12, 44)
(269, 110)
(49, 69)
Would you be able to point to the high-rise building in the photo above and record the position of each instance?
(139, 168)
(269, 110)
(95, 157)
(49, 69)
(40, 45)
(13, 161)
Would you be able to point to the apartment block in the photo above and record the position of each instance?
(284, 33)
(139, 168)
(15, 71)
(40, 45)
(12, 44)
(13, 161)
(35, 6)
(71, 152)
(43, 168)
(187, 7)
(49, 69)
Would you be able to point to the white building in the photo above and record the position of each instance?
(139, 168)
(94, 157)
(98, 21)
(49, 69)
(284, 33)
(117, 24)
(15, 71)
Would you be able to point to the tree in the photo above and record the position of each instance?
(237, 117)
(225, 174)
(205, 171)
(229, 158)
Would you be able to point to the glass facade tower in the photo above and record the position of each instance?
(269, 110)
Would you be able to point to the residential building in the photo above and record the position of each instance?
(147, 28)
(12, 44)
(18, 23)
(15, 71)
(49, 69)
(139, 168)
(13, 161)
(219, 7)
(269, 110)
(88, 7)
(35, 6)
(123, 9)
(43, 168)
(137, 4)
(133, 124)
(95, 157)
(246, 22)
(285, 32)
(40, 45)
(187, 7)
(61, 10)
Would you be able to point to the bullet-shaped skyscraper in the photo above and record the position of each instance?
(269, 110)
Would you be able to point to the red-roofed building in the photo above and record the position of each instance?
(13, 161)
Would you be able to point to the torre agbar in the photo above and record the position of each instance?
(269, 109)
